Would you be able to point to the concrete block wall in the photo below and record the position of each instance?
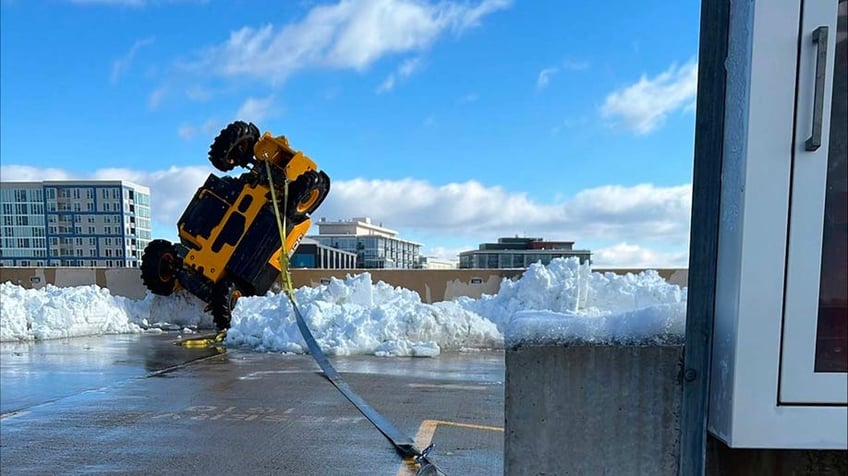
(592, 409)
(433, 285)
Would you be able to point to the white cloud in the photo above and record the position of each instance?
(211, 126)
(568, 124)
(198, 93)
(640, 213)
(25, 173)
(187, 131)
(350, 34)
(387, 85)
(468, 18)
(155, 98)
(545, 77)
(405, 69)
(208, 128)
(448, 253)
(641, 219)
(574, 65)
(469, 98)
(121, 65)
(408, 67)
(625, 255)
(644, 106)
(256, 109)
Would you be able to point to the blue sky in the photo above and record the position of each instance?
(452, 122)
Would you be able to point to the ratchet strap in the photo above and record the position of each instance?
(403, 443)
(204, 342)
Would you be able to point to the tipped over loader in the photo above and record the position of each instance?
(230, 245)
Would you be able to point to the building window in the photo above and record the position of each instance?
(492, 260)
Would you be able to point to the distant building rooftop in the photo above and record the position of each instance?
(519, 252)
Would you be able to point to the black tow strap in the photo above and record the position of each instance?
(402, 442)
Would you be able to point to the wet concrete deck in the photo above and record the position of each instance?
(141, 405)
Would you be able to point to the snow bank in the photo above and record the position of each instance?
(51, 313)
(561, 302)
(356, 316)
(662, 324)
(571, 289)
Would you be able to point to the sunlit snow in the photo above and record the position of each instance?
(562, 302)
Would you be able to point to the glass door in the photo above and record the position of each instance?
(814, 360)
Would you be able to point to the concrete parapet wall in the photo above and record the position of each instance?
(573, 410)
(433, 285)
(36, 278)
(678, 276)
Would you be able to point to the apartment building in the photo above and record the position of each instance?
(375, 247)
(519, 252)
(102, 223)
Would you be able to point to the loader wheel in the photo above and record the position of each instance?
(223, 302)
(307, 193)
(159, 264)
(234, 146)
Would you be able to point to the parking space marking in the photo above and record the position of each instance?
(251, 414)
(450, 386)
(425, 436)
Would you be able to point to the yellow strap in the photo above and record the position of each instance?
(281, 227)
(203, 342)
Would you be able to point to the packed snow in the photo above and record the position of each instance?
(563, 302)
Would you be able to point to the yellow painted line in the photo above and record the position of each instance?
(468, 425)
(425, 436)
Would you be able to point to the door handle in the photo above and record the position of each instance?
(820, 39)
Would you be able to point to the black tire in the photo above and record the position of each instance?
(234, 146)
(159, 264)
(307, 193)
(223, 301)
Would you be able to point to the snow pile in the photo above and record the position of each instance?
(356, 316)
(181, 310)
(566, 302)
(51, 312)
(563, 302)
(661, 324)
